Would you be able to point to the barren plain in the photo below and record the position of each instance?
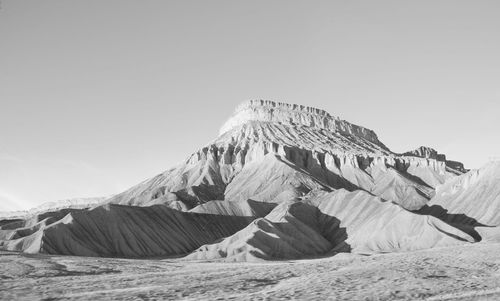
(467, 272)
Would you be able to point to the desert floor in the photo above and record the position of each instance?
(470, 272)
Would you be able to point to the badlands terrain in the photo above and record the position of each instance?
(288, 201)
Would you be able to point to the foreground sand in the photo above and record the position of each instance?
(470, 272)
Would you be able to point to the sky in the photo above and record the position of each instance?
(98, 95)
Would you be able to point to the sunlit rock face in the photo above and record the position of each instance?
(426, 152)
(295, 115)
(274, 171)
(430, 153)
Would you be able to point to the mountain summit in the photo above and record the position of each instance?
(280, 181)
(266, 111)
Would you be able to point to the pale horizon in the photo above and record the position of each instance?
(98, 96)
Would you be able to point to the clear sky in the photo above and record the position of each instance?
(96, 95)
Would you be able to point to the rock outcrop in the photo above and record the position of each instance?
(430, 153)
(426, 152)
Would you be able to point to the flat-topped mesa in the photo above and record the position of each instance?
(279, 112)
(293, 114)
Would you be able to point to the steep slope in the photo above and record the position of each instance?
(290, 231)
(475, 194)
(123, 231)
(272, 179)
(374, 226)
(470, 202)
(183, 187)
(399, 188)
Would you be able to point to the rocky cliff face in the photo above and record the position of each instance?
(430, 153)
(295, 115)
(275, 170)
(426, 152)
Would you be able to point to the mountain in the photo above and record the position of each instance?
(281, 181)
(75, 203)
(305, 144)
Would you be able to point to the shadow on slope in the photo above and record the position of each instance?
(314, 165)
(460, 221)
(377, 226)
(470, 202)
(293, 230)
(121, 231)
(235, 208)
(403, 172)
